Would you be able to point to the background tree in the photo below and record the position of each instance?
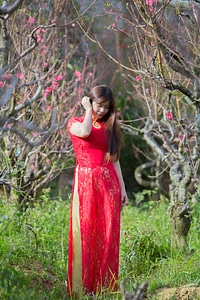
(43, 76)
(161, 61)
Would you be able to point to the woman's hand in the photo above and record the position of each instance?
(86, 103)
(83, 129)
(124, 198)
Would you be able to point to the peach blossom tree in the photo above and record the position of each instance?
(42, 78)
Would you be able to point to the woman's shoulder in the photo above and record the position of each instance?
(74, 120)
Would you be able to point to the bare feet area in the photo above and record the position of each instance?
(180, 293)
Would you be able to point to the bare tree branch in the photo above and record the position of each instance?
(8, 92)
(34, 98)
(8, 9)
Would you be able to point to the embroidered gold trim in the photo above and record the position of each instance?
(96, 124)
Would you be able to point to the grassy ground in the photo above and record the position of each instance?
(33, 250)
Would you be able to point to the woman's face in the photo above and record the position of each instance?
(100, 108)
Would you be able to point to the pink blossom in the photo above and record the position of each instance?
(169, 116)
(54, 85)
(147, 90)
(127, 107)
(73, 25)
(7, 76)
(138, 77)
(71, 110)
(186, 149)
(48, 108)
(39, 38)
(48, 89)
(9, 125)
(46, 64)
(152, 44)
(118, 114)
(32, 167)
(20, 75)
(31, 20)
(90, 74)
(149, 2)
(48, 161)
(77, 74)
(35, 134)
(63, 94)
(1, 84)
(181, 136)
(58, 78)
(40, 30)
(113, 25)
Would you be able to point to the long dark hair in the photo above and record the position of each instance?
(113, 133)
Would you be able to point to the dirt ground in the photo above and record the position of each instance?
(181, 293)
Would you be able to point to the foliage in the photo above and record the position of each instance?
(33, 248)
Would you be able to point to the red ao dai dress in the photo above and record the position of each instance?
(94, 235)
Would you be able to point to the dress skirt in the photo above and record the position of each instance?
(94, 235)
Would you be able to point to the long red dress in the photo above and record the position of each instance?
(94, 235)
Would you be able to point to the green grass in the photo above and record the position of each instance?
(34, 245)
(146, 252)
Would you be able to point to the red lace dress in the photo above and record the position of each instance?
(95, 216)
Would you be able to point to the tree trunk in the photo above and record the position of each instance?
(179, 209)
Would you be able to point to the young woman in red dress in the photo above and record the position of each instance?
(98, 196)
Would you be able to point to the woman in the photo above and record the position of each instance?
(98, 195)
